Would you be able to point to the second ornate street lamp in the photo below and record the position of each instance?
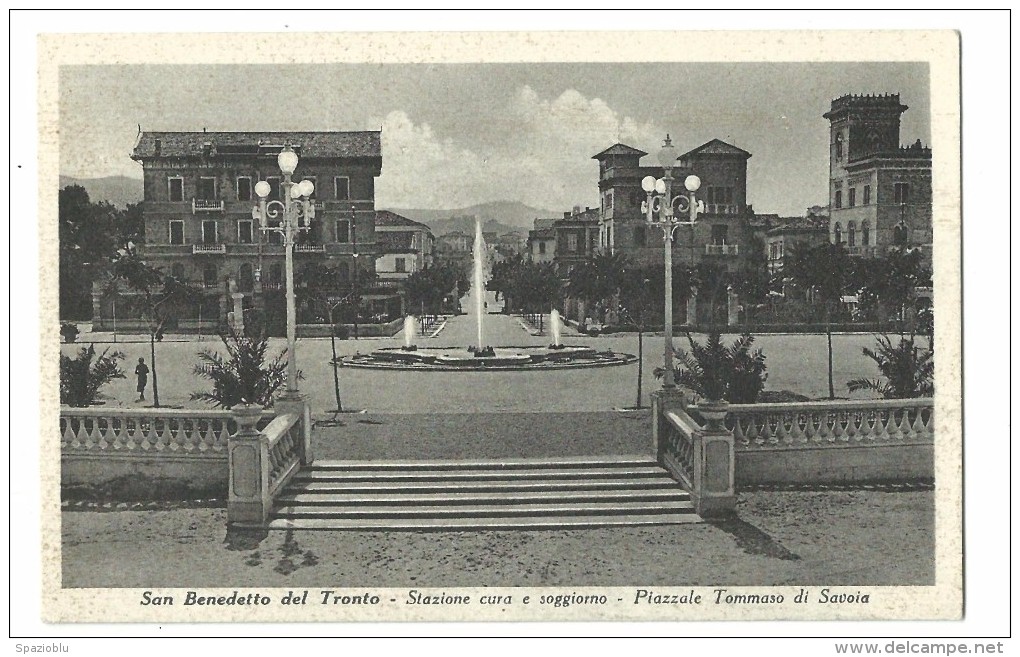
(658, 209)
(290, 214)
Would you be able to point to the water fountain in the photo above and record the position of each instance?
(410, 329)
(555, 327)
(482, 356)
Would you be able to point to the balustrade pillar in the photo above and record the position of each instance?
(714, 476)
(97, 309)
(248, 499)
(732, 307)
(692, 309)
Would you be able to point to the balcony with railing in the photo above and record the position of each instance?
(309, 248)
(722, 249)
(206, 205)
(722, 208)
(864, 251)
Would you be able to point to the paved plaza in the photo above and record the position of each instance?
(795, 362)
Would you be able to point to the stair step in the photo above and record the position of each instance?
(664, 482)
(489, 510)
(482, 524)
(610, 461)
(459, 498)
(476, 475)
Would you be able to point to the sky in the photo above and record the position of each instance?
(454, 135)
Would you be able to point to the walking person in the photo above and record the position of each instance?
(142, 372)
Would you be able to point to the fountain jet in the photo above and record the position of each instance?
(478, 281)
(410, 328)
(555, 326)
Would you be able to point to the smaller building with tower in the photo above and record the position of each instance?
(880, 192)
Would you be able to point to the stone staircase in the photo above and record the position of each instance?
(472, 495)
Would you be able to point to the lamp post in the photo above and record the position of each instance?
(658, 209)
(294, 214)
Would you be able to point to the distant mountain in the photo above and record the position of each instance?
(118, 190)
(498, 216)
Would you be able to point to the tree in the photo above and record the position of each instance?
(716, 372)
(324, 286)
(891, 280)
(243, 378)
(597, 280)
(829, 271)
(537, 287)
(637, 299)
(428, 288)
(88, 239)
(162, 297)
(907, 370)
(81, 377)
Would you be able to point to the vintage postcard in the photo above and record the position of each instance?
(501, 326)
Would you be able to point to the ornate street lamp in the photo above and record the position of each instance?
(659, 211)
(291, 215)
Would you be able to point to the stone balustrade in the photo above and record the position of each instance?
(802, 444)
(131, 451)
(700, 457)
(835, 423)
(146, 431)
(261, 462)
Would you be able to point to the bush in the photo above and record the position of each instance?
(907, 370)
(68, 331)
(81, 377)
(716, 372)
(245, 377)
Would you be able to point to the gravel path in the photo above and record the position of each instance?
(852, 538)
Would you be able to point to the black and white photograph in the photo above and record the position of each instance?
(421, 327)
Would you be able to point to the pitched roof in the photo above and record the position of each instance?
(619, 149)
(387, 218)
(308, 144)
(717, 147)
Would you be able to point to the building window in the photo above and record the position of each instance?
(177, 271)
(245, 277)
(867, 195)
(274, 188)
(852, 197)
(176, 189)
(780, 245)
(176, 231)
(244, 232)
(244, 188)
(851, 234)
(541, 248)
(719, 195)
(839, 145)
(276, 274)
(209, 233)
(901, 193)
(839, 198)
(837, 234)
(572, 242)
(210, 275)
(275, 238)
(865, 233)
(206, 190)
(314, 183)
(719, 232)
(639, 236)
(343, 231)
(342, 185)
(609, 200)
(400, 265)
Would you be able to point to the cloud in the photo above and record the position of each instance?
(540, 156)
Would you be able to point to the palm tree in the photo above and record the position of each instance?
(907, 370)
(245, 377)
(81, 377)
(716, 372)
(828, 270)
